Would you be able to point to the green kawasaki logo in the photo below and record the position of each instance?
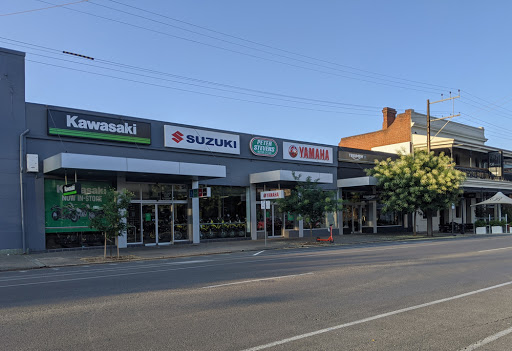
(97, 127)
(263, 147)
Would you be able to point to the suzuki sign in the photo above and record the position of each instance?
(307, 153)
(200, 139)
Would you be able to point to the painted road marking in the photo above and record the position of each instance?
(257, 253)
(369, 319)
(501, 248)
(256, 280)
(186, 262)
(487, 340)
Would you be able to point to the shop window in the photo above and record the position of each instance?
(387, 218)
(223, 215)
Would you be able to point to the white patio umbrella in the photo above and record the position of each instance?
(497, 199)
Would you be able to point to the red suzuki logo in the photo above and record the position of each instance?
(178, 136)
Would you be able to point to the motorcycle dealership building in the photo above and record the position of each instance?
(190, 184)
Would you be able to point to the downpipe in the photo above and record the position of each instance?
(22, 139)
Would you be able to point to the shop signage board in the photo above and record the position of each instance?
(201, 192)
(200, 139)
(263, 147)
(307, 153)
(71, 189)
(271, 195)
(96, 127)
(358, 157)
(72, 213)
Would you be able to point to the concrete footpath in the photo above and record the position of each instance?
(95, 256)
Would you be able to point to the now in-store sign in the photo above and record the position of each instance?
(263, 147)
(309, 153)
(272, 195)
(97, 127)
(200, 139)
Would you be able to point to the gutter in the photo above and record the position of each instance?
(23, 236)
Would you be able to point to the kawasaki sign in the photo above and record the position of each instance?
(263, 147)
(200, 139)
(96, 127)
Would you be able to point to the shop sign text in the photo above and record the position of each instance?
(263, 147)
(311, 153)
(200, 139)
(97, 127)
(271, 195)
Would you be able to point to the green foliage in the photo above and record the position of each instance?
(111, 219)
(418, 181)
(310, 202)
(480, 223)
(497, 223)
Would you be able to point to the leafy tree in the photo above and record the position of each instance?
(419, 181)
(111, 220)
(309, 202)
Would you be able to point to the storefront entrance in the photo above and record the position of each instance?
(274, 218)
(157, 223)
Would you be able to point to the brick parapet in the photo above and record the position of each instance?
(397, 132)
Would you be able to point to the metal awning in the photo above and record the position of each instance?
(287, 176)
(69, 161)
(357, 181)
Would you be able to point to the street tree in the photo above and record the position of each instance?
(308, 201)
(111, 219)
(418, 181)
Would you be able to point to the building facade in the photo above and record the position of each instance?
(488, 169)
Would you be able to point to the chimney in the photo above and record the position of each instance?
(389, 115)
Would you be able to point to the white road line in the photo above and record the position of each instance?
(379, 316)
(187, 262)
(256, 280)
(487, 340)
(501, 248)
(257, 253)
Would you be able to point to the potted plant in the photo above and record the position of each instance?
(480, 227)
(497, 226)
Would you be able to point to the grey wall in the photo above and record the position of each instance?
(12, 115)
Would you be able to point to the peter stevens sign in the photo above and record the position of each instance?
(96, 127)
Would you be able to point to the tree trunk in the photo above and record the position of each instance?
(429, 223)
(117, 246)
(311, 229)
(105, 246)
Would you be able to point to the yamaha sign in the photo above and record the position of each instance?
(200, 139)
(307, 153)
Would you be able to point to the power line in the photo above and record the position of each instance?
(265, 45)
(40, 9)
(196, 92)
(405, 85)
(58, 52)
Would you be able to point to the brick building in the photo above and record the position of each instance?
(488, 169)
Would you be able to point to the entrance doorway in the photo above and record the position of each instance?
(161, 223)
(274, 218)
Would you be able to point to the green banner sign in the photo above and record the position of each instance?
(263, 147)
(71, 213)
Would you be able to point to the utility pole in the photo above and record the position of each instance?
(437, 119)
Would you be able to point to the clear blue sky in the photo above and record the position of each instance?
(300, 65)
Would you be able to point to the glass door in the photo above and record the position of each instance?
(180, 221)
(165, 221)
(133, 224)
(149, 224)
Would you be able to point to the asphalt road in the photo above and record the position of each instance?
(432, 295)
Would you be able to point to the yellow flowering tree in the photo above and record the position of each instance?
(419, 181)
